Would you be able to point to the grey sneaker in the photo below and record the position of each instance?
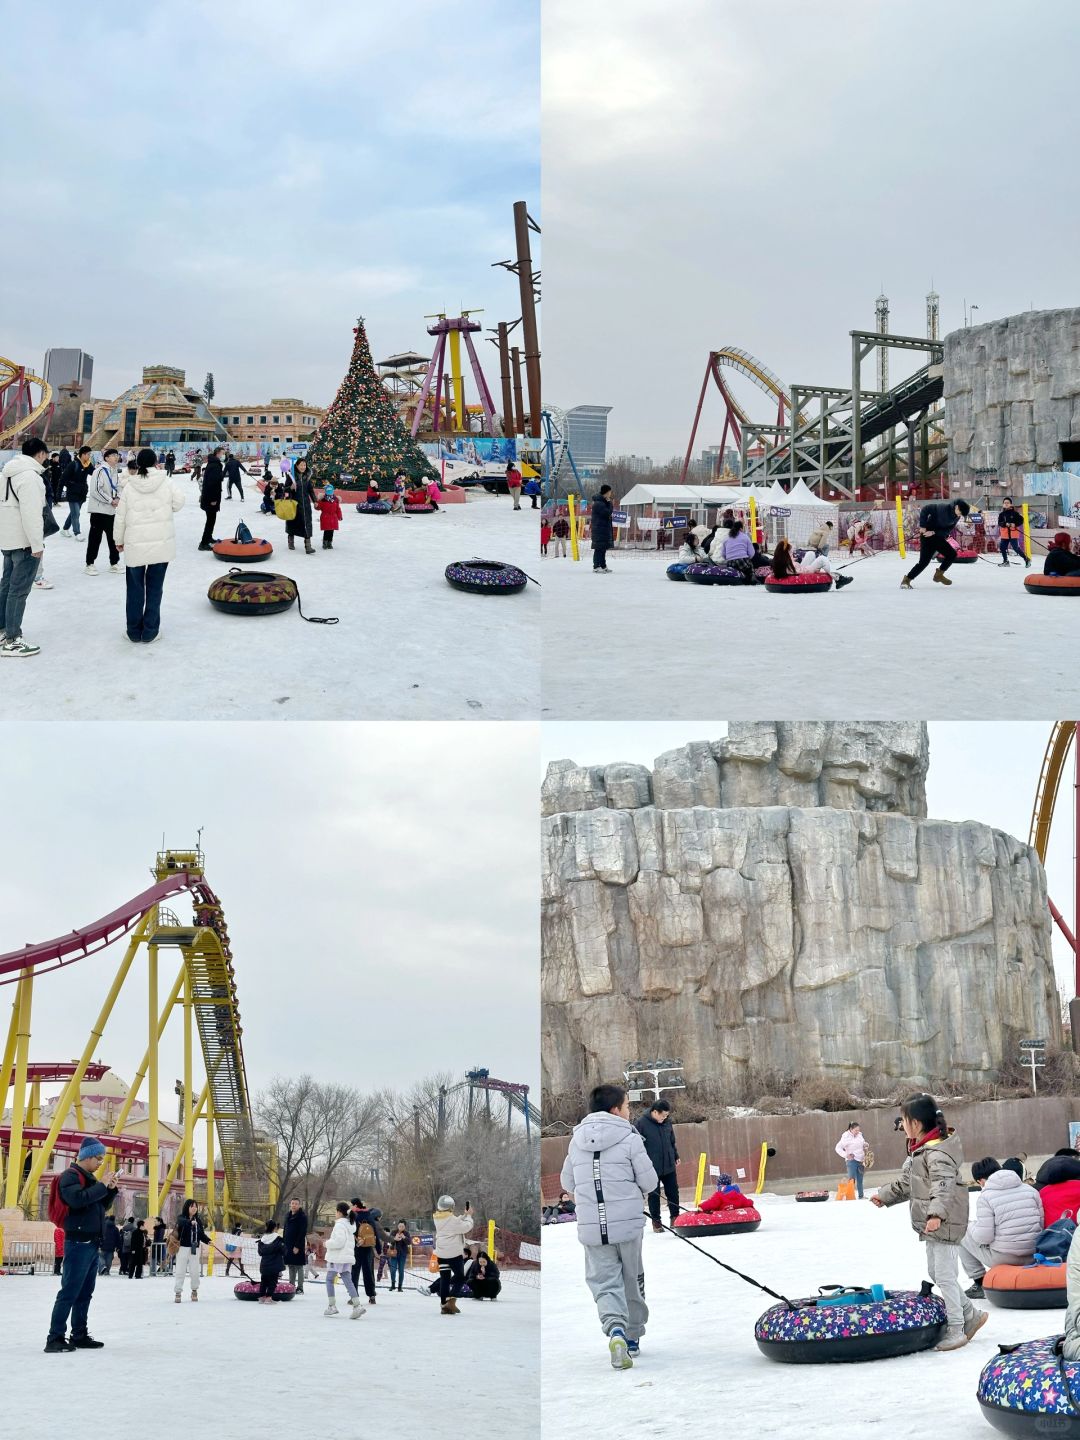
(975, 1321)
(17, 648)
(955, 1338)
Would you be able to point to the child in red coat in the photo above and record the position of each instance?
(545, 536)
(727, 1196)
(58, 1250)
(329, 516)
(372, 497)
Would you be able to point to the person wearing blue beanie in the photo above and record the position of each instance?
(78, 1202)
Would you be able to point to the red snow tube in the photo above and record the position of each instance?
(811, 1195)
(966, 557)
(234, 550)
(1052, 584)
(248, 1290)
(1026, 1287)
(718, 1222)
(796, 584)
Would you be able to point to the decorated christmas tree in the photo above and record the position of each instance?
(362, 434)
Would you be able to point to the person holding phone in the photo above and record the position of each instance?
(450, 1232)
(85, 1200)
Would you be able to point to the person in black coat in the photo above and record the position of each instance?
(271, 1262)
(1063, 1165)
(64, 461)
(600, 528)
(190, 1235)
(170, 464)
(139, 1249)
(1010, 528)
(1060, 559)
(656, 1130)
(87, 1199)
(936, 523)
(482, 1278)
(233, 471)
(300, 527)
(109, 1245)
(210, 496)
(364, 1255)
(77, 484)
(294, 1238)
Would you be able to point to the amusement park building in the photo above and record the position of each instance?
(161, 410)
(274, 422)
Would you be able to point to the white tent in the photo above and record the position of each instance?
(801, 512)
(689, 496)
(801, 494)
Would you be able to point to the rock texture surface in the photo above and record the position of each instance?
(1012, 393)
(783, 908)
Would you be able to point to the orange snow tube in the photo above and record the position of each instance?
(243, 551)
(1052, 584)
(1026, 1287)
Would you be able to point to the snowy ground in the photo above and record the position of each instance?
(253, 1372)
(407, 647)
(636, 645)
(700, 1371)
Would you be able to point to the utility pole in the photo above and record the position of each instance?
(523, 223)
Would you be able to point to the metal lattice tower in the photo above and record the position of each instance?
(881, 318)
(933, 305)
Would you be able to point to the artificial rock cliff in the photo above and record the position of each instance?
(776, 904)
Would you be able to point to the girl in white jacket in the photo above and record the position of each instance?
(145, 530)
(339, 1259)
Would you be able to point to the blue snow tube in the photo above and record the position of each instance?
(1032, 1389)
(373, 507)
(678, 570)
(830, 1329)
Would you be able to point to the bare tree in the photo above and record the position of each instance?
(319, 1129)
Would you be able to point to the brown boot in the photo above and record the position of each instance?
(658, 1229)
(445, 1308)
(309, 548)
(905, 583)
(451, 1306)
(941, 577)
(292, 542)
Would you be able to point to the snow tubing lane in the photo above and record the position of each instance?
(1027, 1392)
(901, 1324)
(486, 577)
(717, 1222)
(799, 584)
(1026, 1287)
(678, 570)
(702, 574)
(251, 593)
(239, 554)
(1052, 584)
(248, 1290)
(808, 1197)
(373, 507)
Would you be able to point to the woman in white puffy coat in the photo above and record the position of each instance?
(339, 1260)
(146, 532)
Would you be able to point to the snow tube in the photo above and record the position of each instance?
(1029, 1390)
(799, 584)
(811, 1334)
(243, 554)
(418, 509)
(678, 570)
(1026, 1287)
(705, 573)
(1052, 584)
(966, 557)
(373, 507)
(811, 1195)
(249, 1290)
(252, 593)
(486, 577)
(717, 1222)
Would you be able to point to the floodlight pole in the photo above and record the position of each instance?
(527, 284)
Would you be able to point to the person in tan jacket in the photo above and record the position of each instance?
(1071, 1347)
(930, 1183)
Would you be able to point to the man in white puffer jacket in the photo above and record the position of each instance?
(22, 540)
(1008, 1221)
(609, 1174)
(145, 530)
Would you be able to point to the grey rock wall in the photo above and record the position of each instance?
(869, 945)
(1012, 393)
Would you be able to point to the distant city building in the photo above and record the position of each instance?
(275, 422)
(586, 434)
(710, 464)
(637, 464)
(70, 367)
(162, 410)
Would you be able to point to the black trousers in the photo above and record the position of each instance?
(364, 1266)
(208, 528)
(929, 546)
(599, 557)
(327, 539)
(268, 1284)
(101, 525)
(239, 487)
(670, 1184)
(451, 1277)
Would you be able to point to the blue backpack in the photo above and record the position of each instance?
(1053, 1244)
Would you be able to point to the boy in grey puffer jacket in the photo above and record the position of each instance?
(609, 1174)
(1008, 1221)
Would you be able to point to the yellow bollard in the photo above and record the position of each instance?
(1027, 530)
(900, 528)
(703, 1160)
(753, 520)
(491, 1239)
(761, 1168)
(574, 552)
(210, 1255)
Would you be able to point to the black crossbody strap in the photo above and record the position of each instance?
(600, 1206)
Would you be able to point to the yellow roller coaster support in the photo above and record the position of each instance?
(1057, 752)
(574, 553)
(703, 1161)
(22, 1049)
(753, 520)
(1027, 529)
(900, 528)
(491, 1240)
(457, 381)
(761, 1168)
(189, 1179)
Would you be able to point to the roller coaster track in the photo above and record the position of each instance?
(208, 963)
(1062, 736)
(17, 375)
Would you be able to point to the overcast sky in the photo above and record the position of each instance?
(226, 187)
(380, 885)
(986, 772)
(719, 173)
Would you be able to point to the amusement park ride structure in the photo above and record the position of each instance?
(19, 411)
(451, 329)
(205, 991)
(1064, 735)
